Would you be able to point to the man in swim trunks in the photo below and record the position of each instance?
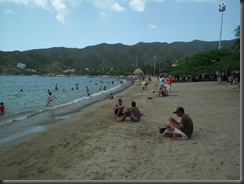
(182, 129)
(133, 112)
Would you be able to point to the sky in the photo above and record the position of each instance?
(39, 24)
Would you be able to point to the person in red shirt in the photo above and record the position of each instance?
(118, 109)
(169, 80)
(1, 108)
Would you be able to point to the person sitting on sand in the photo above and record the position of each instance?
(163, 91)
(118, 109)
(182, 129)
(111, 96)
(133, 112)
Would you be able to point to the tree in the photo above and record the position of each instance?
(236, 45)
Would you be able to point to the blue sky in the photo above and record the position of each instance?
(37, 24)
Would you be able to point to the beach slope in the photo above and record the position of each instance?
(93, 146)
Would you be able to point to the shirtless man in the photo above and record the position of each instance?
(50, 98)
(133, 112)
(163, 91)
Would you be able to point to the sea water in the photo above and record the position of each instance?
(25, 99)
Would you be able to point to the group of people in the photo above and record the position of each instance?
(165, 85)
(133, 112)
(178, 130)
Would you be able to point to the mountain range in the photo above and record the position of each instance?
(102, 56)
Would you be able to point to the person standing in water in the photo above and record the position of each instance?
(50, 97)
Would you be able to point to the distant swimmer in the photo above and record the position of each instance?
(1, 108)
(87, 91)
(50, 98)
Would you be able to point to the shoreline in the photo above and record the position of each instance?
(91, 145)
(41, 121)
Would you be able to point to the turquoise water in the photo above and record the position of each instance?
(25, 98)
(33, 97)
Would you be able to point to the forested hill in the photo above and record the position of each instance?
(103, 56)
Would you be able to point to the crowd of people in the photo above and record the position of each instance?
(177, 130)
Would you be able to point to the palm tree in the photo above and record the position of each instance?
(236, 45)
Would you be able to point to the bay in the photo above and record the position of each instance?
(25, 100)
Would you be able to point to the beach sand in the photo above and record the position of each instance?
(93, 146)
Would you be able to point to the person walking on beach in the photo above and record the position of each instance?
(1, 108)
(118, 109)
(50, 98)
(161, 81)
(169, 80)
(182, 129)
(133, 112)
(87, 91)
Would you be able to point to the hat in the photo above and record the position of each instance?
(179, 109)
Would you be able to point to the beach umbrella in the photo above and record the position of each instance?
(138, 71)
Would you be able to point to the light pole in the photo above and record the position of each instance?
(221, 9)
(154, 64)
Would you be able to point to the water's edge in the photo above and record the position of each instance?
(42, 121)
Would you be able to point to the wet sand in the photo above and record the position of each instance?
(91, 145)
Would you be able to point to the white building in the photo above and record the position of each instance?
(21, 65)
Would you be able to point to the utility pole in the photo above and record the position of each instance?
(221, 9)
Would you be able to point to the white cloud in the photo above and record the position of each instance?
(140, 5)
(29, 3)
(63, 7)
(107, 5)
(197, 1)
(60, 18)
(116, 7)
(152, 26)
(58, 5)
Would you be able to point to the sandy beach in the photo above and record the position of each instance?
(93, 146)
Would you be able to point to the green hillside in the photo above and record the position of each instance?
(103, 58)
